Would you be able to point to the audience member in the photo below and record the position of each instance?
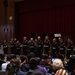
(13, 68)
(59, 67)
(4, 65)
(24, 64)
(2, 56)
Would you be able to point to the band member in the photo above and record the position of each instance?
(15, 40)
(69, 47)
(31, 45)
(39, 46)
(17, 48)
(5, 47)
(12, 46)
(46, 45)
(61, 46)
(25, 45)
(54, 48)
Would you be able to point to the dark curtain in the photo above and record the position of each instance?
(45, 16)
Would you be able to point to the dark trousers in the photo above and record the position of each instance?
(25, 50)
(17, 51)
(69, 52)
(12, 50)
(55, 53)
(46, 50)
(5, 50)
(39, 52)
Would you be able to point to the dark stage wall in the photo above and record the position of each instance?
(45, 16)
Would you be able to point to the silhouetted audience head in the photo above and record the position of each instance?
(9, 57)
(33, 63)
(38, 60)
(23, 58)
(71, 64)
(14, 56)
(30, 55)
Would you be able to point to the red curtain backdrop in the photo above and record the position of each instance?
(45, 16)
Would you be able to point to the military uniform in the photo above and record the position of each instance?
(17, 48)
(69, 49)
(46, 46)
(5, 48)
(12, 47)
(62, 48)
(39, 47)
(25, 47)
(55, 49)
(31, 46)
